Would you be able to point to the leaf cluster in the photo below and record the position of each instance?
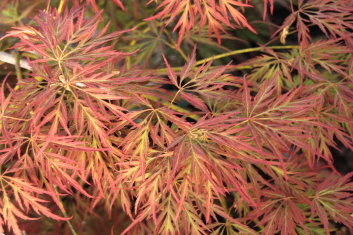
(242, 147)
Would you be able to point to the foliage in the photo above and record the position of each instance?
(157, 132)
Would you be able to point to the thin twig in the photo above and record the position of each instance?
(71, 227)
(242, 51)
(164, 71)
(17, 66)
(228, 68)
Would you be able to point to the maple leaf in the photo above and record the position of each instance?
(333, 18)
(333, 199)
(18, 196)
(280, 212)
(4, 110)
(74, 87)
(270, 66)
(270, 117)
(67, 41)
(211, 13)
(92, 3)
(195, 84)
(198, 151)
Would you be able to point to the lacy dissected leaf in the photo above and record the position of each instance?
(148, 40)
(195, 84)
(333, 199)
(72, 85)
(154, 201)
(5, 115)
(321, 61)
(272, 66)
(325, 135)
(67, 41)
(277, 123)
(175, 207)
(18, 197)
(153, 134)
(214, 151)
(279, 211)
(202, 153)
(198, 151)
(332, 17)
(54, 164)
(93, 3)
(212, 13)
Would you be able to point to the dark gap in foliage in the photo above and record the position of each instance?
(342, 158)
(262, 173)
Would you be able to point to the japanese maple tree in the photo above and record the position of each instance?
(175, 116)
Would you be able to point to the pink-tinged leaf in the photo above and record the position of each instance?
(211, 13)
(266, 3)
(333, 200)
(246, 97)
(172, 74)
(72, 182)
(195, 101)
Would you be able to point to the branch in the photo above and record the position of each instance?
(247, 50)
(164, 71)
(10, 59)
